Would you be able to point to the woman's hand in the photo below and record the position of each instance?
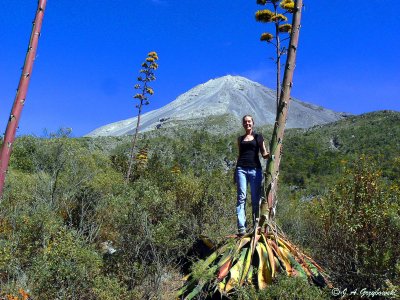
(265, 155)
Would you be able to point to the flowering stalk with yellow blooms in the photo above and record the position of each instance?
(146, 76)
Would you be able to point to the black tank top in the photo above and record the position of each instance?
(248, 152)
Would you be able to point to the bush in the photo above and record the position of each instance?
(359, 228)
(284, 288)
(66, 268)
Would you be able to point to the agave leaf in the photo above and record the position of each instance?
(264, 277)
(243, 242)
(260, 276)
(307, 270)
(313, 268)
(192, 283)
(229, 254)
(288, 245)
(295, 265)
(282, 244)
(186, 278)
(224, 269)
(274, 246)
(232, 251)
(230, 257)
(278, 267)
(314, 263)
(305, 267)
(247, 264)
(221, 286)
(214, 255)
(317, 277)
(297, 256)
(210, 259)
(206, 241)
(283, 257)
(309, 266)
(308, 260)
(279, 260)
(271, 258)
(249, 277)
(195, 291)
(235, 272)
(270, 254)
(187, 287)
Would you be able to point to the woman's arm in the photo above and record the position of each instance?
(238, 141)
(264, 152)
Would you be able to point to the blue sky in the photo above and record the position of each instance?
(90, 53)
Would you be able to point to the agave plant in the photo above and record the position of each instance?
(253, 259)
(257, 257)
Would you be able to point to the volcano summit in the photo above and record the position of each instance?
(232, 96)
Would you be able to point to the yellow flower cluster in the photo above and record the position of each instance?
(148, 66)
(149, 90)
(264, 15)
(154, 66)
(139, 96)
(278, 18)
(153, 54)
(266, 37)
(288, 5)
(285, 28)
(142, 155)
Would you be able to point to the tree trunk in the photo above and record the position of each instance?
(268, 204)
(21, 94)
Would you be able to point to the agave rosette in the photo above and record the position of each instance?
(254, 259)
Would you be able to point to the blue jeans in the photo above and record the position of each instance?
(244, 176)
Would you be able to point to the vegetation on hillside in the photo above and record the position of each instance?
(66, 208)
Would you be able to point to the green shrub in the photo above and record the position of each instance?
(359, 228)
(284, 288)
(65, 268)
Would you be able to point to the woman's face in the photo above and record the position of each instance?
(248, 123)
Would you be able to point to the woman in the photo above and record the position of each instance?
(248, 170)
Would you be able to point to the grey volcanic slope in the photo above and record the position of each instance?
(228, 95)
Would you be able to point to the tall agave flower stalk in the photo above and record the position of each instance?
(20, 97)
(257, 257)
(268, 203)
(280, 26)
(147, 75)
